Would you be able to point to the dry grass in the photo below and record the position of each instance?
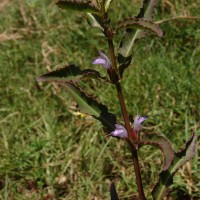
(6, 37)
(4, 3)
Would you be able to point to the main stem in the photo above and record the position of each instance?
(127, 124)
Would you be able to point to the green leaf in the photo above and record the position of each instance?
(113, 192)
(107, 4)
(130, 36)
(95, 21)
(90, 106)
(180, 158)
(78, 5)
(147, 10)
(141, 24)
(69, 73)
(163, 144)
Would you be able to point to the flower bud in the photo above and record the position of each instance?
(138, 122)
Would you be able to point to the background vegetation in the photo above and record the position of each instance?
(50, 151)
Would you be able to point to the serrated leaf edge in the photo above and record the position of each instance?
(193, 137)
(127, 22)
(83, 73)
(156, 144)
(95, 101)
(89, 3)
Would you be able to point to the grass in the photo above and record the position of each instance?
(47, 150)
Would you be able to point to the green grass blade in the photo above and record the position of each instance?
(90, 106)
(180, 158)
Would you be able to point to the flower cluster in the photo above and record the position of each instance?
(121, 132)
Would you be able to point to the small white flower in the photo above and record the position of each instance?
(102, 60)
(120, 131)
(138, 122)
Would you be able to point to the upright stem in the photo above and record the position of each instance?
(137, 171)
(123, 108)
(112, 54)
(127, 124)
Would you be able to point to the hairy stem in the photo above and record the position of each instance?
(127, 124)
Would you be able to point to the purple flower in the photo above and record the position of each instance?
(138, 122)
(119, 131)
(103, 60)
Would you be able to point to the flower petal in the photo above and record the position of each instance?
(141, 119)
(99, 61)
(138, 122)
(102, 60)
(120, 131)
(118, 126)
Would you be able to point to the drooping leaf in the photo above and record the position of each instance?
(78, 5)
(90, 106)
(69, 73)
(130, 35)
(163, 144)
(107, 4)
(113, 192)
(180, 158)
(95, 21)
(141, 24)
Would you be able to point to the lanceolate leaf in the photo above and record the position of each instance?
(69, 73)
(107, 4)
(180, 158)
(140, 23)
(95, 21)
(147, 10)
(78, 5)
(130, 35)
(90, 106)
(113, 192)
(163, 144)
